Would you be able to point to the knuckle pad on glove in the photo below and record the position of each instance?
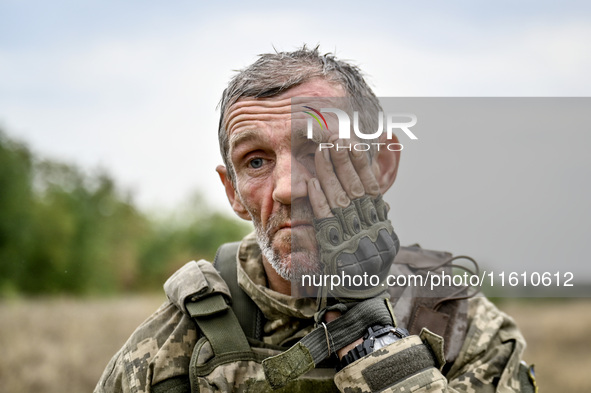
(328, 232)
(358, 240)
(349, 220)
(387, 245)
(367, 211)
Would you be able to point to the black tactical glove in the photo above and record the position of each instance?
(358, 241)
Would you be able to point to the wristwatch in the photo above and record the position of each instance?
(377, 336)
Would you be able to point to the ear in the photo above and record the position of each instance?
(231, 193)
(386, 164)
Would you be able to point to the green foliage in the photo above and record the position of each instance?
(16, 201)
(62, 230)
(194, 232)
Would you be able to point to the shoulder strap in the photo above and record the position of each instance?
(199, 291)
(219, 324)
(248, 313)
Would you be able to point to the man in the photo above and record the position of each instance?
(314, 212)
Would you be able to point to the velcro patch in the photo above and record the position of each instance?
(398, 366)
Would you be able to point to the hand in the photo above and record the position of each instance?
(353, 233)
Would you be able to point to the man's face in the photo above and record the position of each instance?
(272, 168)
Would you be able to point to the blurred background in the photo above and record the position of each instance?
(108, 147)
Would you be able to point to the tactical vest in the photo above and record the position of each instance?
(228, 355)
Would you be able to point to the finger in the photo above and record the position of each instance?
(346, 172)
(318, 200)
(360, 160)
(333, 191)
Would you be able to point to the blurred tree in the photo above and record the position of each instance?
(86, 234)
(194, 231)
(15, 211)
(63, 230)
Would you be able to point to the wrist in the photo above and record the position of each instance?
(348, 348)
(377, 337)
(331, 316)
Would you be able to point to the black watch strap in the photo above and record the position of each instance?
(377, 336)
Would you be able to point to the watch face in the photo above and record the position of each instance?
(376, 338)
(382, 341)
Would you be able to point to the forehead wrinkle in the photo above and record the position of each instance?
(274, 105)
(254, 118)
(258, 106)
(263, 102)
(254, 112)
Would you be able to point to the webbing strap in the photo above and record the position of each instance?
(314, 347)
(217, 322)
(249, 315)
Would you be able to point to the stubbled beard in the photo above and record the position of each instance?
(295, 262)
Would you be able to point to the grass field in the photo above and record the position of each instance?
(63, 344)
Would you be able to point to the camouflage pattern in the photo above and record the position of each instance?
(491, 353)
(488, 361)
(351, 377)
(288, 318)
(159, 349)
(168, 345)
(248, 376)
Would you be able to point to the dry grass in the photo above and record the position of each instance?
(62, 345)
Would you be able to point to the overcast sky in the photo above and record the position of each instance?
(133, 86)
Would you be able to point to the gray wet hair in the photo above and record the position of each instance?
(274, 73)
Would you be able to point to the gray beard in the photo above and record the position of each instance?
(292, 266)
(280, 265)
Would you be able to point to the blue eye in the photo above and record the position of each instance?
(256, 163)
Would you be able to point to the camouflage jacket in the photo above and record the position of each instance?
(482, 351)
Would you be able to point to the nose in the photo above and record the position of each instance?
(290, 180)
